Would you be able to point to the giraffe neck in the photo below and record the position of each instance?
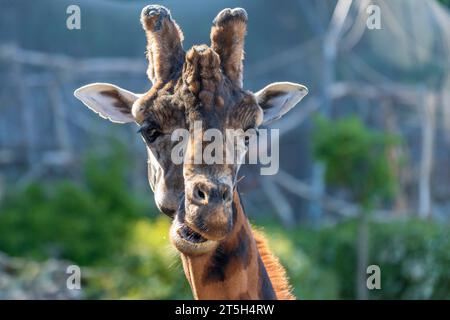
(235, 270)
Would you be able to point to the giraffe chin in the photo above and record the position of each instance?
(188, 241)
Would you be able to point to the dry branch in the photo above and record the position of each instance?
(303, 190)
(80, 65)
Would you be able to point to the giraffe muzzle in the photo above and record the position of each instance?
(188, 241)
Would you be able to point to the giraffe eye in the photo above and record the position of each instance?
(248, 133)
(150, 134)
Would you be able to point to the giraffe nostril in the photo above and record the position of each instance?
(203, 195)
(226, 194)
(199, 194)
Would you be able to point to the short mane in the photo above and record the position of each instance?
(277, 273)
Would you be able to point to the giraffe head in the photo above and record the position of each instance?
(201, 92)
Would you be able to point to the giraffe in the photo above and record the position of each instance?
(222, 256)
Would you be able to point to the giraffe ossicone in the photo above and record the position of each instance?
(223, 258)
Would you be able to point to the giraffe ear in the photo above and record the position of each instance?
(278, 98)
(109, 101)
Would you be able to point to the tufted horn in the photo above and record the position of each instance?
(227, 39)
(164, 43)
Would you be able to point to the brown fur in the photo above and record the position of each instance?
(232, 271)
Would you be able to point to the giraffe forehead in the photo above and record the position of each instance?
(203, 95)
(237, 110)
(173, 112)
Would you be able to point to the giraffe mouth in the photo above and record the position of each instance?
(190, 235)
(188, 241)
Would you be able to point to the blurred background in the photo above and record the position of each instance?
(364, 159)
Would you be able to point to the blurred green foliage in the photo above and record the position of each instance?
(413, 255)
(147, 268)
(125, 252)
(415, 259)
(85, 222)
(445, 2)
(356, 158)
